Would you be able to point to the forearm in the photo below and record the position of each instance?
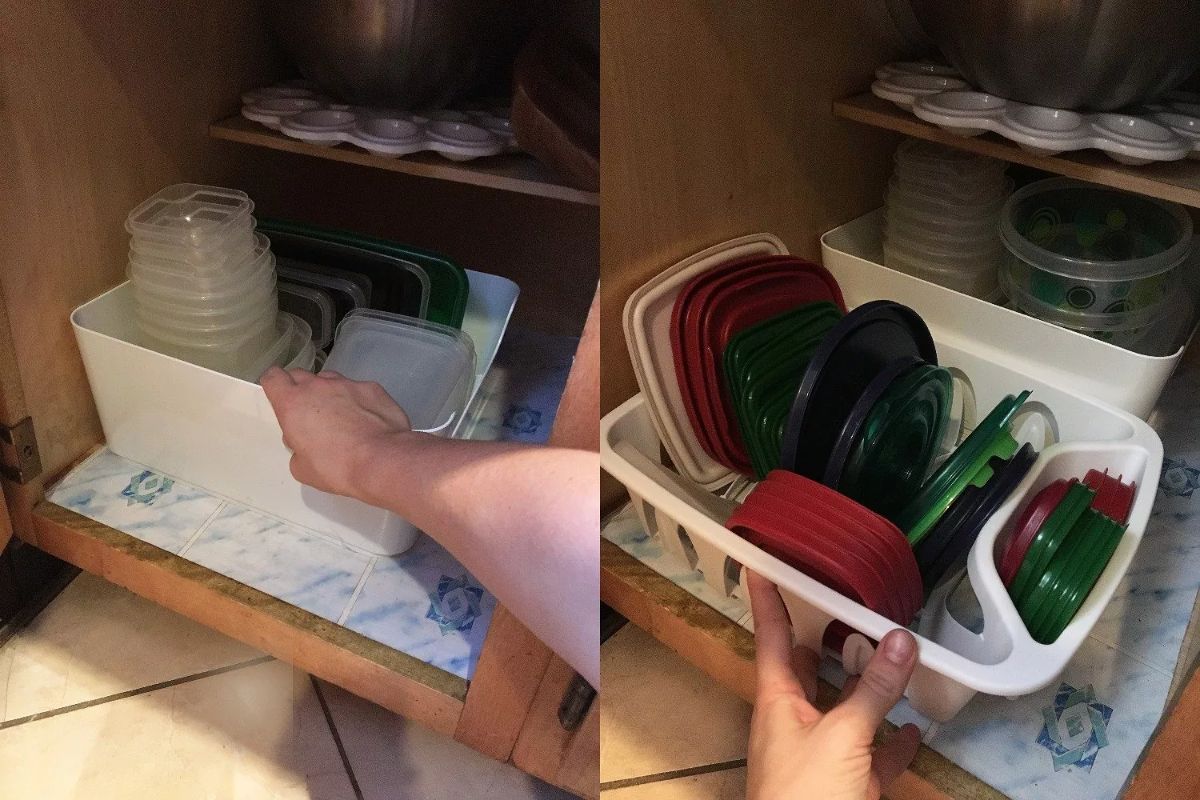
(523, 519)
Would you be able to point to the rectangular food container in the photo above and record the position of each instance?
(219, 432)
(954, 662)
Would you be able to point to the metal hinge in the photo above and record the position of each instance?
(22, 462)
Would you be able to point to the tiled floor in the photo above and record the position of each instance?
(105, 695)
(667, 730)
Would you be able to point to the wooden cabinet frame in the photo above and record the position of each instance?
(104, 104)
(727, 119)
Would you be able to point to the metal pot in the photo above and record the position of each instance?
(396, 53)
(1094, 54)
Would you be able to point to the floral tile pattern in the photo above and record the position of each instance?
(422, 602)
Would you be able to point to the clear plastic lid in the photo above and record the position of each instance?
(188, 213)
(427, 368)
(314, 306)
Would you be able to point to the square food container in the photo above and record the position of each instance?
(219, 432)
(425, 367)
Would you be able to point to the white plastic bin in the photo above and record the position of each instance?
(853, 253)
(219, 432)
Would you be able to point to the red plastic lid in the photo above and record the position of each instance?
(1114, 498)
(708, 311)
(887, 544)
(815, 550)
(738, 305)
(678, 350)
(1032, 517)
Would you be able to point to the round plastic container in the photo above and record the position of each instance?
(427, 368)
(984, 227)
(1090, 257)
(935, 201)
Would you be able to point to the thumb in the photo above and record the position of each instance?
(882, 683)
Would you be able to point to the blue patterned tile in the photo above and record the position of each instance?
(1103, 708)
(133, 498)
(518, 399)
(425, 603)
(287, 562)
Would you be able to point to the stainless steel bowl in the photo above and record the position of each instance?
(1094, 54)
(396, 53)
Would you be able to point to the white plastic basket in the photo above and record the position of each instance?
(853, 253)
(954, 662)
(219, 432)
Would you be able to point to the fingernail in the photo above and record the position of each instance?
(899, 647)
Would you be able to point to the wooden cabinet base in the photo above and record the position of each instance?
(392, 679)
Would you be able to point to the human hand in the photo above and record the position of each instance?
(798, 752)
(331, 424)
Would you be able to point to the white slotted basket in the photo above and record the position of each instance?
(954, 662)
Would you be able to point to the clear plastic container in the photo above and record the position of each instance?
(1092, 257)
(233, 356)
(291, 348)
(1086, 305)
(190, 215)
(427, 368)
(215, 254)
(207, 331)
(255, 284)
(983, 284)
(347, 294)
(180, 275)
(949, 246)
(983, 226)
(934, 201)
(314, 306)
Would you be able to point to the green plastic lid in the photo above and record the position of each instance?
(899, 440)
(1050, 537)
(966, 466)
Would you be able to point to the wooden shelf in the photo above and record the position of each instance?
(511, 173)
(1177, 181)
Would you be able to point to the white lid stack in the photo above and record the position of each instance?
(942, 217)
(204, 282)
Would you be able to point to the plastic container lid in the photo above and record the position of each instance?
(1049, 538)
(314, 306)
(215, 254)
(847, 360)
(292, 334)
(859, 412)
(346, 294)
(427, 368)
(395, 267)
(1114, 498)
(1081, 230)
(967, 465)
(950, 540)
(899, 441)
(189, 214)
(1032, 518)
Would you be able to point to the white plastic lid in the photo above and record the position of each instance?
(427, 368)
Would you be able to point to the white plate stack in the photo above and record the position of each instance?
(942, 217)
(204, 283)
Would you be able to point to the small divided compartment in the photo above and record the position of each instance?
(1075, 433)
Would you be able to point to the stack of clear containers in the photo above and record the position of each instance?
(204, 283)
(942, 217)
